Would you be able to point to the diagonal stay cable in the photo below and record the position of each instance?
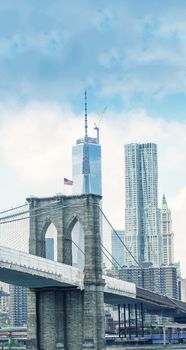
(101, 250)
(141, 267)
(107, 257)
(111, 257)
(78, 247)
(120, 239)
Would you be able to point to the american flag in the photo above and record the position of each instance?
(68, 182)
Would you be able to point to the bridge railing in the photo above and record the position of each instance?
(21, 259)
(113, 285)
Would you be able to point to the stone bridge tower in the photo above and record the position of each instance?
(62, 318)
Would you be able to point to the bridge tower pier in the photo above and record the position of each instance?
(68, 319)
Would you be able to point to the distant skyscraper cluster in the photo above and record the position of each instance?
(148, 235)
(148, 232)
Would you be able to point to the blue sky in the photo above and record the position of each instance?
(126, 53)
(130, 55)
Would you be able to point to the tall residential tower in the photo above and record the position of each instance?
(142, 216)
(167, 234)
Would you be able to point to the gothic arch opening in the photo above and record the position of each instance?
(75, 243)
(78, 243)
(51, 242)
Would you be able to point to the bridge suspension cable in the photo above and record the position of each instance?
(110, 256)
(35, 212)
(78, 247)
(28, 211)
(15, 208)
(102, 252)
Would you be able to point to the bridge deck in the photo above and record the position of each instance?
(20, 268)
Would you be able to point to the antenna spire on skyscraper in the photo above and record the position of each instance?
(86, 121)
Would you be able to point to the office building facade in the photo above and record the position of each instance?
(4, 308)
(161, 279)
(167, 234)
(142, 215)
(18, 306)
(182, 289)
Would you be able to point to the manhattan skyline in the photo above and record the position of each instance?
(131, 60)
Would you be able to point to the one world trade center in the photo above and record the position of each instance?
(86, 172)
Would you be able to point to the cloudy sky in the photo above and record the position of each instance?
(130, 55)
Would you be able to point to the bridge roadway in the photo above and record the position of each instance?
(20, 268)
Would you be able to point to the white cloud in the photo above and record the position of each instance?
(131, 48)
(36, 141)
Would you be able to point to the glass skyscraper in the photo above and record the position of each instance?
(86, 166)
(87, 178)
(142, 215)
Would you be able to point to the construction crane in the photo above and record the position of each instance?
(96, 126)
